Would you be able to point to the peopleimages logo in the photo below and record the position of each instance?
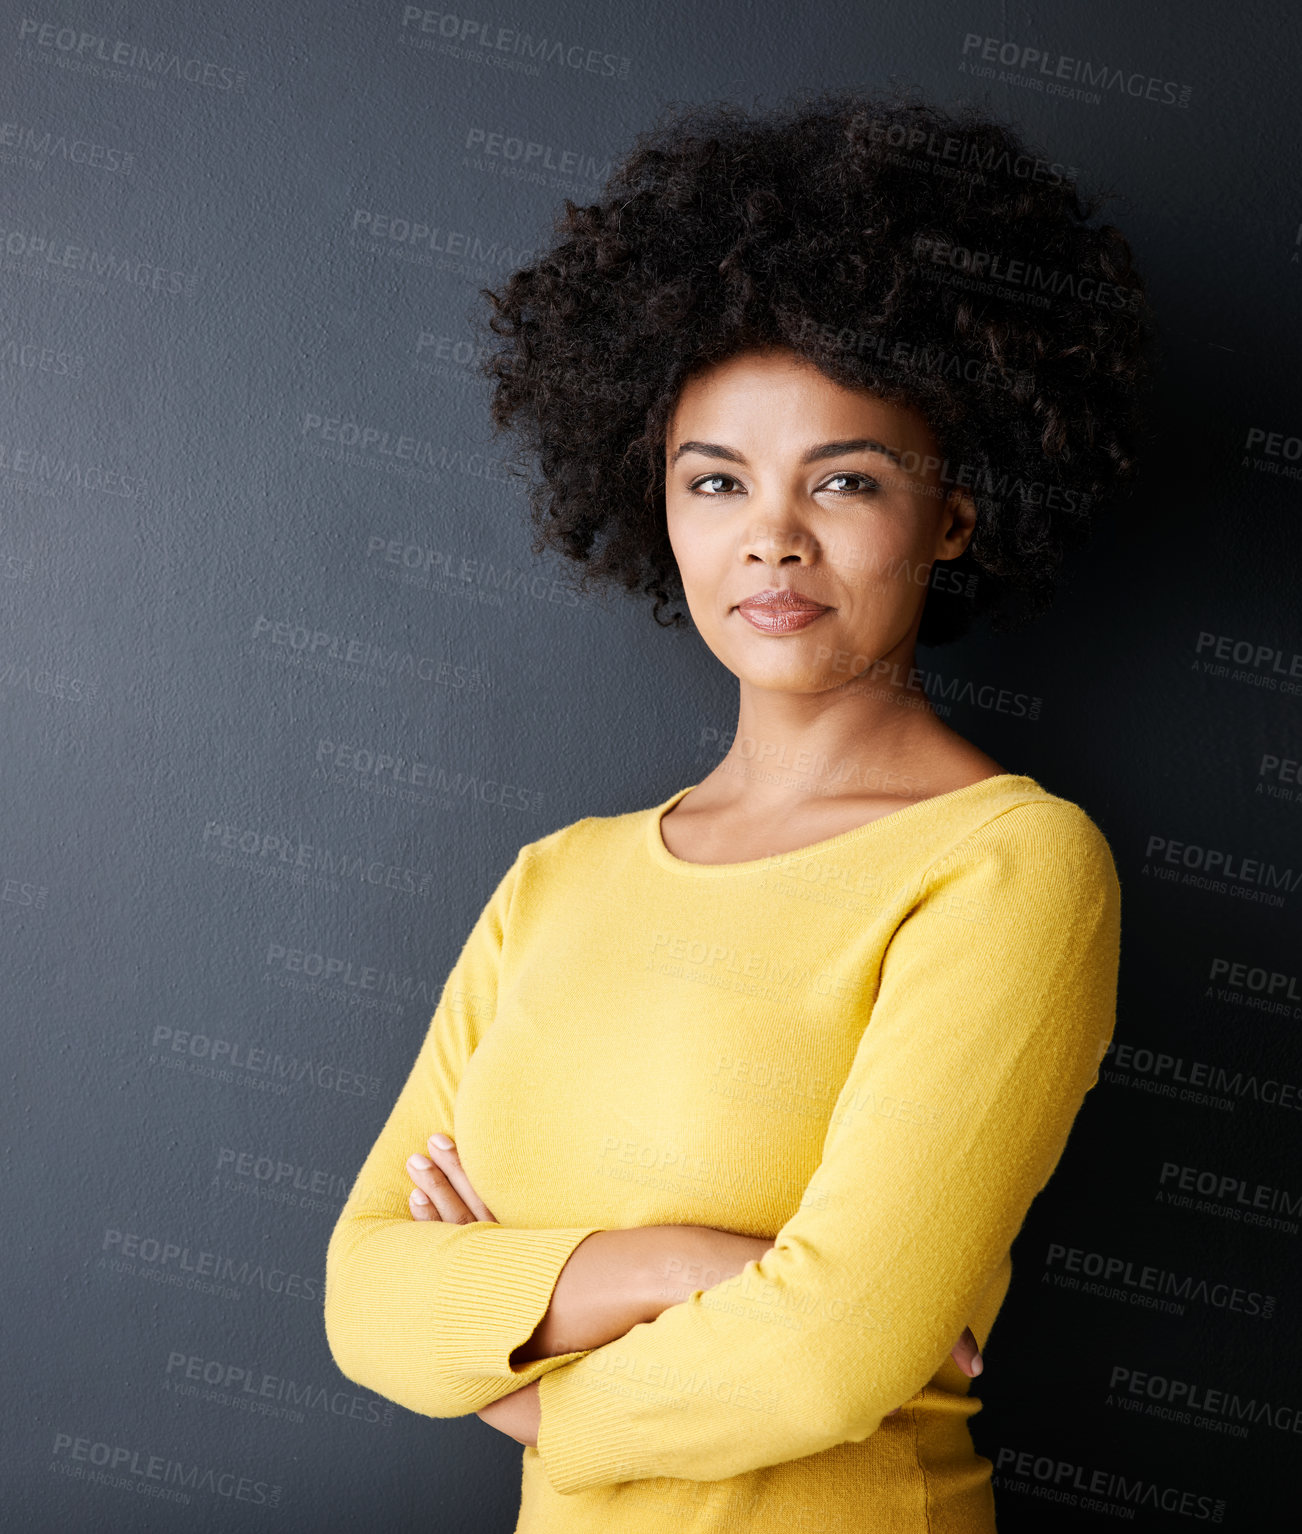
(532, 155)
(1148, 1069)
(259, 1066)
(278, 1173)
(395, 232)
(1228, 1197)
(1025, 64)
(254, 1389)
(1018, 271)
(254, 844)
(131, 1468)
(1219, 1409)
(1274, 982)
(1223, 872)
(88, 51)
(1062, 1480)
(467, 37)
(1268, 991)
(1142, 1285)
(152, 1257)
(59, 470)
(1261, 665)
(956, 153)
(21, 141)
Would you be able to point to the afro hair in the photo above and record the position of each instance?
(931, 257)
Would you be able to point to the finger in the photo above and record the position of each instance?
(420, 1205)
(431, 1181)
(967, 1355)
(447, 1159)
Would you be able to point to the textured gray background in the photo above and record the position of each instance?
(193, 290)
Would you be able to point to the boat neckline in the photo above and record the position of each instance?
(666, 859)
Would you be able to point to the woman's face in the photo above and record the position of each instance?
(777, 477)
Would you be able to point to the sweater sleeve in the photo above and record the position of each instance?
(994, 1006)
(422, 1312)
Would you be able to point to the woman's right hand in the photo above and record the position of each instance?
(967, 1355)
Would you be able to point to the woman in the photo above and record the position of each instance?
(732, 1107)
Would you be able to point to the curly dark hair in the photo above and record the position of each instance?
(931, 257)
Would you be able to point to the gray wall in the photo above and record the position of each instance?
(226, 913)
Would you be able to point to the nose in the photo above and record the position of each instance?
(773, 536)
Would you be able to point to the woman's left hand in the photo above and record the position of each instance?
(516, 1415)
(443, 1192)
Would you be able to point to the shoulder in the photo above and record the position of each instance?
(591, 839)
(1038, 839)
(1033, 815)
(1033, 886)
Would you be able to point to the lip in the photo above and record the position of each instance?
(780, 611)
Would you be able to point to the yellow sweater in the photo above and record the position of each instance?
(873, 1048)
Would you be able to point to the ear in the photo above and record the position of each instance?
(957, 524)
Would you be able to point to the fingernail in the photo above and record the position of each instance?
(417, 1197)
(421, 1163)
(441, 1141)
(978, 1363)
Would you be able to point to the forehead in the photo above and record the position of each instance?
(772, 395)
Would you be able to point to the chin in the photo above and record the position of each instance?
(787, 677)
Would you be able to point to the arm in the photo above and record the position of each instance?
(618, 1278)
(996, 1001)
(612, 1280)
(608, 1286)
(425, 1313)
(602, 1297)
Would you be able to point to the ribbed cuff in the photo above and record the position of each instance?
(501, 1282)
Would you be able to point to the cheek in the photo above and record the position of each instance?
(877, 560)
(701, 550)
(678, 539)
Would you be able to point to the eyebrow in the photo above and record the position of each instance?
(823, 450)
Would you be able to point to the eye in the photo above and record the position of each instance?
(865, 483)
(706, 478)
